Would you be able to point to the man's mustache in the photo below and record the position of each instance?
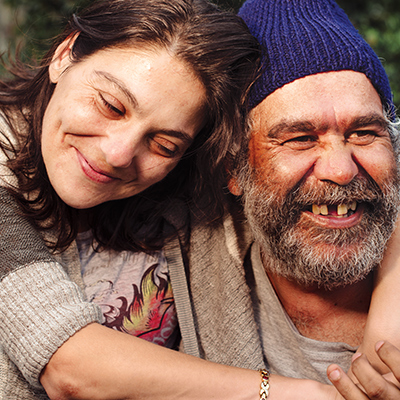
(360, 190)
(288, 209)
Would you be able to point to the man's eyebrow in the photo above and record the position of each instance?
(308, 127)
(119, 85)
(368, 120)
(290, 127)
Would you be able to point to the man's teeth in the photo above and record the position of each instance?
(342, 209)
(320, 209)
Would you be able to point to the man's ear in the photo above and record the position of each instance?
(61, 59)
(234, 186)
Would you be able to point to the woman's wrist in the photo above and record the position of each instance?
(264, 386)
(284, 388)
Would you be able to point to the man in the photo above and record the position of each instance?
(319, 182)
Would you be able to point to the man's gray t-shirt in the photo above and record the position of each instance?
(287, 352)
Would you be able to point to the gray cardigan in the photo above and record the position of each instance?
(42, 302)
(217, 323)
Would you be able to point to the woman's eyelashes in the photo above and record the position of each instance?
(164, 147)
(112, 105)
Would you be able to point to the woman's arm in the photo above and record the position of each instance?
(46, 328)
(100, 363)
(40, 308)
(383, 321)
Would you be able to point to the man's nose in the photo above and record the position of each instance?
(336, 164)
(120, 148)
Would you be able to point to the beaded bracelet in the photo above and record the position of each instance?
(264, 390)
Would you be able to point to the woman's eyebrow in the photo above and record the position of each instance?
(185, 137)
(119, 85)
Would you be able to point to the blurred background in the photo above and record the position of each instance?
(31, 23)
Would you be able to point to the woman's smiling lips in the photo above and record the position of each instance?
(92, 172)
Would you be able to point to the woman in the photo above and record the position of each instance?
(124, 114)
(130, 90)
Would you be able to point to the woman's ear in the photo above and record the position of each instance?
(61, 59)
(234, 186)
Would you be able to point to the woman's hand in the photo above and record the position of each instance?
(371, 384)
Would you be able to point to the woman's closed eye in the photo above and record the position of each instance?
(112, 105)
(164, 147)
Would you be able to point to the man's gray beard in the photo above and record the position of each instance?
(291, 245)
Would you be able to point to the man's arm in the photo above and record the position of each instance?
(375, 357)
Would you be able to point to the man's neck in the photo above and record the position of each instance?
(338, 315)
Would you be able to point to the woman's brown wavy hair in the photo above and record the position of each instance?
(215, 44)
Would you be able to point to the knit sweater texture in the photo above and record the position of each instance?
(41, 303)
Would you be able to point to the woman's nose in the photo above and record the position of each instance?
(120, 149)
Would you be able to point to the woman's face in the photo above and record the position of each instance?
(118, 122)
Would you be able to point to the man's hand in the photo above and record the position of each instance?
(371, 384)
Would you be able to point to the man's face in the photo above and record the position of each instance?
(321, 191)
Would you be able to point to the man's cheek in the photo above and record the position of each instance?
(379, 163)
(264, 160)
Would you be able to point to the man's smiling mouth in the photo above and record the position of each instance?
(334, 210)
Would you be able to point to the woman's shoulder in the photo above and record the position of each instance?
(12, 127)
(8, 146)
(7, 141)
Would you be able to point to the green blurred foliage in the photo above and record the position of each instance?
(378, 21)
(232, 5)
(37, 22)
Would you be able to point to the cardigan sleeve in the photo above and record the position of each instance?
(40, 307)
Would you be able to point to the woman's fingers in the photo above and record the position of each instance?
(390, 355)
(344, 385)
(375, 385)
(371, 384)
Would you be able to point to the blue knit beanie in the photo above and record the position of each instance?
(306, 37)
